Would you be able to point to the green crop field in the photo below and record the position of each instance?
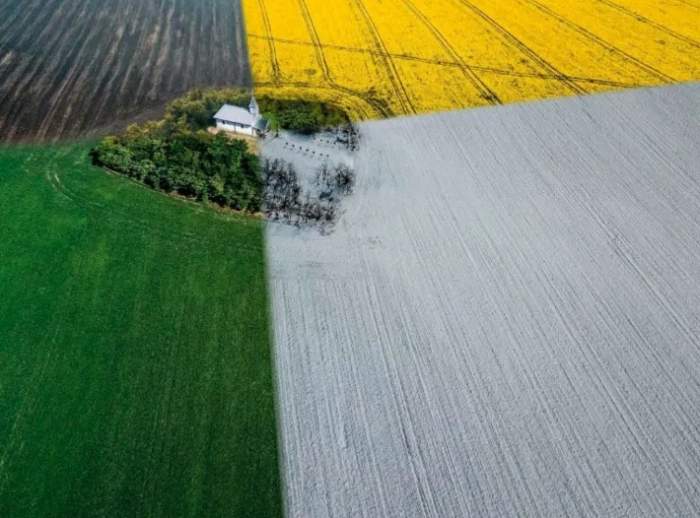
(135, 363)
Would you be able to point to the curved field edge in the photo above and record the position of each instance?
(134, 349)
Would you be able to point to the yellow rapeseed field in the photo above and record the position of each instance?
(390, 57)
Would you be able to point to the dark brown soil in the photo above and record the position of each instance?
(70, 68)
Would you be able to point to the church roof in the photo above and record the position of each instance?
(236, 115)
(261, 124)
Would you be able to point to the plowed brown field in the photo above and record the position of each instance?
(68, 67)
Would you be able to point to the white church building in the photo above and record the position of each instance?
(239, 120)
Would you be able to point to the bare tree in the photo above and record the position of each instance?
(284, 200)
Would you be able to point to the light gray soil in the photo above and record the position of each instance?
(505, 321)
(306, 153)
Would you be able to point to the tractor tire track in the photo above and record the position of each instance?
(323, 63)
(452, 64)
(378, 109)
(399, 88)
(316, 42)
(274, 63)
(664, 78)
(523, 48)
(656, 25)
(689, 4)
(484, 90)
(122, 214)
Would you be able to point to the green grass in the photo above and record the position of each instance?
(135, 363)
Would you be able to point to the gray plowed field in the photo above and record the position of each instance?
(68, 67)
(505, 322)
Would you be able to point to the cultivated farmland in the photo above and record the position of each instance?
(68, 67)
(505, 320)
(135, 370)
(382, 58)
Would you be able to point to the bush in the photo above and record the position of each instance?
(196, 164)
(304, 117)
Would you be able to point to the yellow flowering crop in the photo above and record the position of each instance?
(389, 57)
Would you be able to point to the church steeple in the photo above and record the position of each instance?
(253, 107)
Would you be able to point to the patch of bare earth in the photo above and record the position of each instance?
(71, 68)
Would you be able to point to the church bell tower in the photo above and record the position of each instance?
(253, 107)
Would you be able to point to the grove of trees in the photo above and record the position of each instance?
(177, 155)
(173, 158)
